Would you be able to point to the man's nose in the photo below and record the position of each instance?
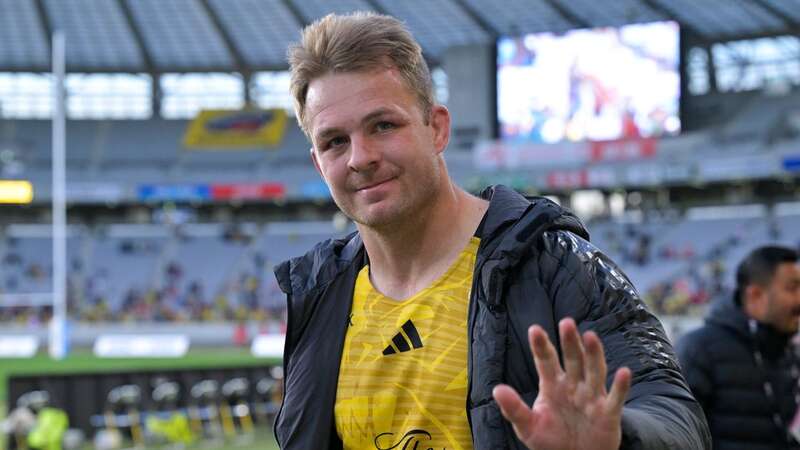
(364, 156)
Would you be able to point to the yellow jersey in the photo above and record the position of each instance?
(403, 373)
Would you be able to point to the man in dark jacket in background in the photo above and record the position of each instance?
(742, 365)
(416, 331)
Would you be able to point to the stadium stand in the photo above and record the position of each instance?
(682, 265)
(759, 118)
(103, 147)
(155, 272)
(222, 272)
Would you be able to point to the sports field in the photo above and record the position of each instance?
(84, 361)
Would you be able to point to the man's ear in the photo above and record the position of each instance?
(316, 163)
(440, 122)
(755, 298)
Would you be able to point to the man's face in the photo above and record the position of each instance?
(783, 298)
(372, 146)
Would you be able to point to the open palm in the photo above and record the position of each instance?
(573, 410)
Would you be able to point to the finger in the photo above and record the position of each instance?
(619, 391)
(572, 349)
(514, 410)
(595, 364)
(544, 355)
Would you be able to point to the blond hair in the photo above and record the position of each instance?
(354, 43)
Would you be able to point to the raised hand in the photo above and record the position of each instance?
(573, 410)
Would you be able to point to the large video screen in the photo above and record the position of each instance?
(598, 84)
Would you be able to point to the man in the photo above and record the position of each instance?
(741, 364)
(413, 333)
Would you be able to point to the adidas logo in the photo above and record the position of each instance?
(399, 342)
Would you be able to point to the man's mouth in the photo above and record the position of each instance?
(372, 185)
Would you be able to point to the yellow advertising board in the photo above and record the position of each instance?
(16, 192)
(215, 129)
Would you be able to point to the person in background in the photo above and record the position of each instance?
(742, 365)
(447, 312)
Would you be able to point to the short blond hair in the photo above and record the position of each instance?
(357, 42)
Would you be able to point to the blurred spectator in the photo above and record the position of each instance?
(35, 272)
(742, 365)
(240, 335)
(692, 280)
(642, 252)
(173, 272)
(12, 258)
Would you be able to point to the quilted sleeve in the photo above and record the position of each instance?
(660, 412)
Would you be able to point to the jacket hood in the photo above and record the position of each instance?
(513, 227)
(320, 265)
(726, 313)
(513, 218)
(510, 220)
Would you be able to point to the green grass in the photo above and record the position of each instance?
(83, 361)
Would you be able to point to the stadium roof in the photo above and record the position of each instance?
(159, 36)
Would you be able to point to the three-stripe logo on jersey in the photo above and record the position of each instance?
(400, 341)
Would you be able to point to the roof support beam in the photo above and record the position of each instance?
(377, 7)
(240, 64)
(657, 6)
(150, 67)
(296, 12)
(746, 37)
(236, 55)
(44, 18)
(483, 23)
(790, 23)
(568, 15)
(137, 36)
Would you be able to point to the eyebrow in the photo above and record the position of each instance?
(328, 132)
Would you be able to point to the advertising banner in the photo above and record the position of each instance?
(174, 192)
(248, 191)
(243, 129)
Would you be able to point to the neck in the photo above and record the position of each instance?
(751, 311)
(405, 258)
(763, 324)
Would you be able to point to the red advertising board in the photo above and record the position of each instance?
(247, 191)
(623, 149)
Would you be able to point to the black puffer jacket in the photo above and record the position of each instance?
(534, 266)
(719, 364)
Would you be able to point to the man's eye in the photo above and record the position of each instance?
(336, 142)
(384, 126)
